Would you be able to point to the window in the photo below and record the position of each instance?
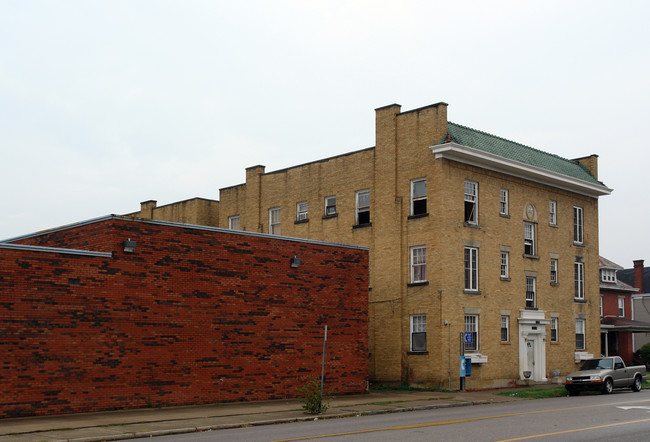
(621, 307)
(301, 211)
(505, 328)
(471, 269)
(418, 197)
(552, 212)
(330, 205)
(471, 326)
(505, 267)
(529, 239)
(580, 334)
(503, 203)
(608, 275)
(363, 207)
(471, 202)
(418, 264)
(419, 333)
(530, 292)
(578, 226)
(554, 337)
(601, 306)
(233, 222)
(274, 221)
(553, 271)
(579, 277)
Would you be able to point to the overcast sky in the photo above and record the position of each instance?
(104, 104)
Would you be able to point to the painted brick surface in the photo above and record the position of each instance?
(193, 316)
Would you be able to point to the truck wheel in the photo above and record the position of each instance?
(608, 387)
(636, 386)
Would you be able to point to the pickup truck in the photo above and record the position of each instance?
(605, 374)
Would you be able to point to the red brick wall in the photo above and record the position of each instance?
(193, 316)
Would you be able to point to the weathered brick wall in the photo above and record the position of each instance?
(193, 316)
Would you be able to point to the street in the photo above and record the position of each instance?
(620, 416)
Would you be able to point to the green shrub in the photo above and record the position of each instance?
(313, 402)
(644, 353)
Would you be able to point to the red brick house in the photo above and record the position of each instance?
(124, 313)
(617, 323)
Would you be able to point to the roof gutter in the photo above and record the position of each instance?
(476, 157)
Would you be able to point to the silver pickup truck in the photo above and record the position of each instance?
(605, 374)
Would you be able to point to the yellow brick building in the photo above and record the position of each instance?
(469, 235)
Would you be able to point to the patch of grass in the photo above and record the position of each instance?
(536, 393)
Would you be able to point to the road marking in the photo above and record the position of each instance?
(471, 419)
(633, 407)
(574, 430)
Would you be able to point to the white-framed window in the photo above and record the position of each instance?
(471, 269)
(579, 278)
(419, 197)
(601, 306)
(274, 221)
(554, 271)
(471, 326)
(471, 202)
(419, 333)
(529, 239)
(505, 328)
(505, 265)
(503, 202)
(233, 222)
(580, 334)
(578, 225)
(608, 275)
(552, 212)
(621, 307)
(301, 211)
(330, 205)
(418, 264)
(554, 335)
(531, 294)
(363, 207)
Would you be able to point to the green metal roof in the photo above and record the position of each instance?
(511, 150)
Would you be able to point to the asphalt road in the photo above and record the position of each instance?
(620, 416)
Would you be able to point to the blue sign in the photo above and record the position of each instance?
(468, 338)
(462, 366)
(468, 366)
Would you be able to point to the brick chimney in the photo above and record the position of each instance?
(638, 275)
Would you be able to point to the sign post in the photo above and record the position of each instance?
(465, 338)
(322, 372)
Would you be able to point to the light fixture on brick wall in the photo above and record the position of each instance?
(129, 246)
(295, 262)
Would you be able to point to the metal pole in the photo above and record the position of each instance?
(322, 372)
(462, 353)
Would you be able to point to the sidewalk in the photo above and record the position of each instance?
(126, 424)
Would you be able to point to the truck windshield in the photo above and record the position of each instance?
(594, 364)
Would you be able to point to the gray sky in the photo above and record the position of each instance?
(104, 104)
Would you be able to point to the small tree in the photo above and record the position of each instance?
(313, 402)
(644, 353)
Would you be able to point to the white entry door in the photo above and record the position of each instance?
(530, 357)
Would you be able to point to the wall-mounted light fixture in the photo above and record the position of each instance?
(295, 262)
(129, 246)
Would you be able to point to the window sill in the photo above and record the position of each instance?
(477, 358)
(553, 225)
(504, 215)
(531, 256)
(472, 292)
(505, 279)
(505, 342)
(301, 221)
(417, 353)
(532, 308)
(578, 244)
(333, 215)
(419, 215)
(471, 225)
(580, 300)
(360, 226)
(417, 284)
(555, 284)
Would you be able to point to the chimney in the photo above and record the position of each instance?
(638, 274)
(146, 209)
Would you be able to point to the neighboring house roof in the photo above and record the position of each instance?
(546, 166)
(627, 276)
(624, 324)
(618, 285)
